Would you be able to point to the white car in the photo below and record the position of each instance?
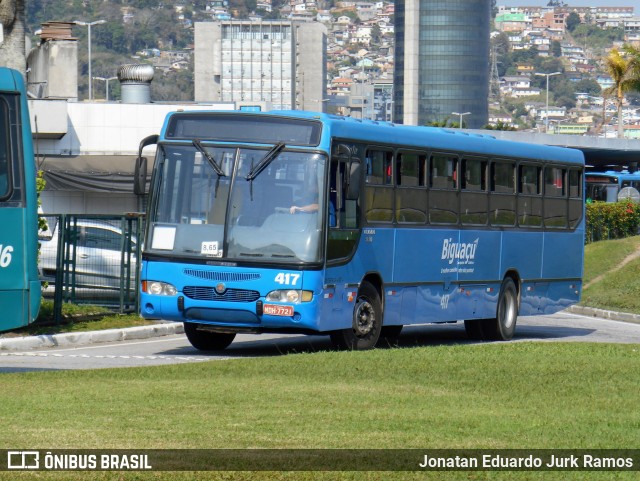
(97, 247)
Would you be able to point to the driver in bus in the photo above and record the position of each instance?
(310, 205)
(309, 201)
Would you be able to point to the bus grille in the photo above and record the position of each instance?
(201, 293)
(222, 276)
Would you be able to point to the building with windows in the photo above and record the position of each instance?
(442, 61)
(281, 64)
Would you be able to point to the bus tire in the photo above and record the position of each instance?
(206, 340)
(366, 322)
(503, 326)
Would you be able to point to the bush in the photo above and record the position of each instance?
(612, 220)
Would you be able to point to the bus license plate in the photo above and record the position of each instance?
(275, 310)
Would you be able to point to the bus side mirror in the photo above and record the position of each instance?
(140, 176)
(343, 151)
(140, 172)
(353, 181)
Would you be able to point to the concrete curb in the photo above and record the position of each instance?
(74, 339)
(603, 314)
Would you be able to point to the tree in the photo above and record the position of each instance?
(589, 86)
(564, 93)
(595, 37)
(572, 21)
(500, 125)
(13, 47)
(548, 64)
(501, 43)
(376, 35)
(624, 69)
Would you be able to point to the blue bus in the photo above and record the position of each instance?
(608, 186)
(301, 222)
(19, 283)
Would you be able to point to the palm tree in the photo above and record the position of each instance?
(624, 69)
(12, 47)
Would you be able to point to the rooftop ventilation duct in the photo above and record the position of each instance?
(135, 81)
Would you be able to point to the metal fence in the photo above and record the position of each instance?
(91, 259)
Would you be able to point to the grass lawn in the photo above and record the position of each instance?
(601, 257)
(617, 289)
(502, 395)
(77, 318)
(473, 396)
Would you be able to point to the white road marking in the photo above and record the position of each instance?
(86, 356)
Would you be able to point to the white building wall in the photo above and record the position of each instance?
(98, 129)
(108, 128)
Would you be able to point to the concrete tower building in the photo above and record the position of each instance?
(442, 61)
(281, 64)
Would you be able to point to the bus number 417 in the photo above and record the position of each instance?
(287, 279)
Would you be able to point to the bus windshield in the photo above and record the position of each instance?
(601, 188)
(237, 203)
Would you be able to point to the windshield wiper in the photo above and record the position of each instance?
(266, 160)
(198, 145)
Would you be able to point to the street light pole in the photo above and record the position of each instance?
(106, 80)
(461, 114)
(546, 117)
(89, 25)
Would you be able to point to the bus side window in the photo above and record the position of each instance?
(343, 232)
(555, 197)
(443, 172)
(379, 167)
(473, 196)
(575, 184)
(576, 202)
(443, 193)
(379, 188)
(4, 174)
(502, 200)
(4, 151)
(529, 195)
(411, 194)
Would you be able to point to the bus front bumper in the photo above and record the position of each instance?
(233, 317)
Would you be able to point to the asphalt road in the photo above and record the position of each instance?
(175, 349)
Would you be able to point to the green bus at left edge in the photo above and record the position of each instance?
(19, 281)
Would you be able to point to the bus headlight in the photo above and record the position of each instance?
(291, 296)
(158, 288)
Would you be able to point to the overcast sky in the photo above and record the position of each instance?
(576, 3)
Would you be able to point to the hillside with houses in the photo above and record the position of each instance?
(527, 42)
(571, 44)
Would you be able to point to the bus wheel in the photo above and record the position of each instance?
(367, 322)
(206, 340)
(504, 325)
(389, 336)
